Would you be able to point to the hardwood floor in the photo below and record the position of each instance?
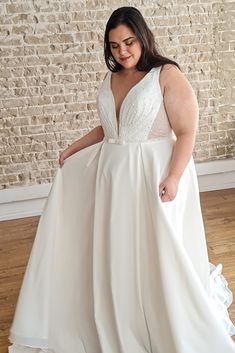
(16, 239)
(218, 209)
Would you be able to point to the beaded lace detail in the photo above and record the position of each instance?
(161, 126)
(142, 114)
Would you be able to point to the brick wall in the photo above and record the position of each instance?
(51, 56)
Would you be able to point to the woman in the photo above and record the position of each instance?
(120, 263)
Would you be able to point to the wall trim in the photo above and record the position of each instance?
(28, 201)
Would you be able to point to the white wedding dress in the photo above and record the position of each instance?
(113, 269)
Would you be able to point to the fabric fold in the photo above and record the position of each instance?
(221, 296)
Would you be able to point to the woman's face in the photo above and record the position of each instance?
(125, 46)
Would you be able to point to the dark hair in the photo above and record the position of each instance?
(132, 18)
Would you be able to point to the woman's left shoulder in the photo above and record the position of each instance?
(171, 77)
(170, 72)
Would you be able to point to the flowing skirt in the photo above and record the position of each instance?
(115, 269)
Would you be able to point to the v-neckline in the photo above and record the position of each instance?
(118, 121)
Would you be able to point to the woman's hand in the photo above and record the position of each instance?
(94, 136)
(168, 188)
(65, 154)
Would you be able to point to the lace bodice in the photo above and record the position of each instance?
(142, 113)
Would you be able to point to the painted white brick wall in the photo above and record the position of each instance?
(51, 64)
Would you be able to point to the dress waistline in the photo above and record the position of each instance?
(122, 141)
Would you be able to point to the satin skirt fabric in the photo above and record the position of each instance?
(115, 269)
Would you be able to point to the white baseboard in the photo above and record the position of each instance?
(23, 201)
(28, 201)
(216, 175)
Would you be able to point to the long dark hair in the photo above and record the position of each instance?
(132, 18)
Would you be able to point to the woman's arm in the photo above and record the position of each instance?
(94, 136)
(183, 113)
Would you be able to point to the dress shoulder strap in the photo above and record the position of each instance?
(156, 79)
